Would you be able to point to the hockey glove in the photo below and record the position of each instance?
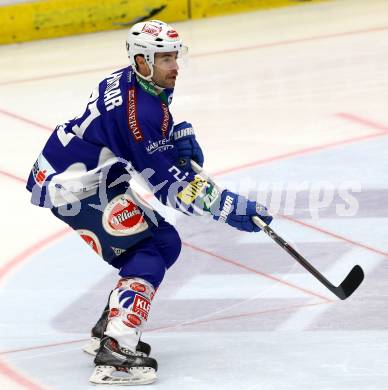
(186, 145)
(237, 211)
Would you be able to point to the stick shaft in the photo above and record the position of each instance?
(343, 291)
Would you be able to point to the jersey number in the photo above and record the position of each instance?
(79, 130)
(93, 114)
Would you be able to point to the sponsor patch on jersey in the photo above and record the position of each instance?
(133, 123)
(117, 251)
(159, 146)
(141, 307)
(193, 190)
(151, 29)
(91, 239)
(41, 170)
(165, 120)
(122, 217)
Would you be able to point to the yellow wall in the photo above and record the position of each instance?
(55, 18)
(206, 8)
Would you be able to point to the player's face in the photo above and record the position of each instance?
(165, 69)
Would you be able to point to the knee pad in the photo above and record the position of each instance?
(172, 248)
(147, 265)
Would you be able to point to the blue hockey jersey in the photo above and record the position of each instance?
(126, 120)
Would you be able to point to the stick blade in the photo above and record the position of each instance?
(351, 283)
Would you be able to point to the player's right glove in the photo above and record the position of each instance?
(237, 211)
(186, 145)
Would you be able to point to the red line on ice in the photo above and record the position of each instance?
(337, 236)
(43, 346)
(29, 251)
(182, 324)
(300, 152)
(23, 255)
(284, 155)
(237, 264)
(232, 317)
(293, 41)
(363, 121)
(12, 176)
(59, 75)
(208, 54)
(15, 377)
(24, 119)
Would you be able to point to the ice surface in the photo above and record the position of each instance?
(268, 93)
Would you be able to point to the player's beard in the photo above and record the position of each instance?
(170, 80)
(165, 80)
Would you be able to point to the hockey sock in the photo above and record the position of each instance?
(129, 305)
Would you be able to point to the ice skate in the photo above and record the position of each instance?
(93, 345)
(97, 333)
(120, 366)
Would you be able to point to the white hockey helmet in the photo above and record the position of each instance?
(148, 38)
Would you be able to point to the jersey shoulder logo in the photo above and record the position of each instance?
(41, 170)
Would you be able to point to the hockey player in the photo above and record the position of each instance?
(83, 174)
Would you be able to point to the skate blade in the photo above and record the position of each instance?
(133, 376)
(92, 346)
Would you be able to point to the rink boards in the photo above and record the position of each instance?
(55, 18)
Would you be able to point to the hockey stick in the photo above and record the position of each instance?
(343, 291)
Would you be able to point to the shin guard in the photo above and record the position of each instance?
(129, 305)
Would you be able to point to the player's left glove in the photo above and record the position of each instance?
(237, 211)
(187, 146)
